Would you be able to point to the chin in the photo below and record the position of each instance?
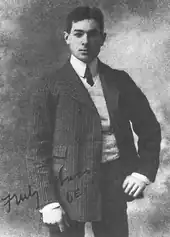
(86, 59)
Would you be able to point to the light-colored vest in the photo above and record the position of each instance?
(110, 149)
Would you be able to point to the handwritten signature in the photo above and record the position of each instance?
(74, 176)
(21, 198)
(72, 195)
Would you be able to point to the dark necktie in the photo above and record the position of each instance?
(88, 76)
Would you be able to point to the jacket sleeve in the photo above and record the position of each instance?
(44, 111)
(145, 125)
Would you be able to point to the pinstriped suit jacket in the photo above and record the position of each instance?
(70, 140)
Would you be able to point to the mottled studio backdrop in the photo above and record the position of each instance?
(31, 44)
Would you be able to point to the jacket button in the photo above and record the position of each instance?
(79, 110)
(77, 139)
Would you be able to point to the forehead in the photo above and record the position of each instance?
(85, 25)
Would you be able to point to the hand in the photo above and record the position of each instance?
(133, 186)
(53, 213)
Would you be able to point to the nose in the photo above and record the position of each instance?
(85, 39)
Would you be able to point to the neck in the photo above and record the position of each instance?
(80, 66)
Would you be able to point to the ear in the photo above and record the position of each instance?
(66, 37)
(103, 37)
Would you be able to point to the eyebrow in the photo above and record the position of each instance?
(81, 31)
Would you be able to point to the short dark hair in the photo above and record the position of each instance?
(83, 13)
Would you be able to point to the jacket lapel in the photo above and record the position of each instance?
(111, 93)
(73, 86)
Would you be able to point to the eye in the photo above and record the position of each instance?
(78, 35)
(93, 33)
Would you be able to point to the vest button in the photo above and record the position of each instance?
(78, 140)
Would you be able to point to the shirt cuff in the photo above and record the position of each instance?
(49, 206)
(141, 177)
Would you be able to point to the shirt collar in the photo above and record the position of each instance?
(80, 67)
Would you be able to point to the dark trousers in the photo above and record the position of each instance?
(114, 217)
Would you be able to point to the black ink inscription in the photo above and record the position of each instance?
(73, 177)
(21, 198)
(72, 195)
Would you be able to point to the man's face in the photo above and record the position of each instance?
(85, 39)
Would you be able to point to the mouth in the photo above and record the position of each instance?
(84, 50)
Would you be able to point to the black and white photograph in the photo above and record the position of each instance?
(84, 118)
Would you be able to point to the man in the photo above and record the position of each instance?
(87, 137)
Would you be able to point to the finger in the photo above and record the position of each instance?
(134, 189)
(63, 211)
(138, 192)
(125, 183)
(129, 187)
(61, 227)
(142, 186)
